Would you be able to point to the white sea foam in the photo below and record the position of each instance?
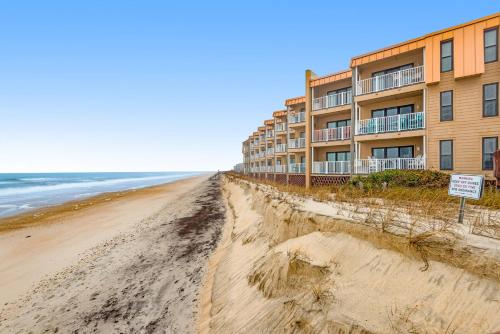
(5, 192)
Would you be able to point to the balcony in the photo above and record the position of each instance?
(280, 148)
(397, 79)
(297, 118)
(405, 122)
(269, 134)
(367, 166)
(331, 167)
(341, 133)
(330, 101)
(297, 143)
(280, 127)
(280, 169)
(297, 168)
(270, 151)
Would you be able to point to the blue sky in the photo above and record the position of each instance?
(175, 85)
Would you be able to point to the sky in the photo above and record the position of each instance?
(148, 85)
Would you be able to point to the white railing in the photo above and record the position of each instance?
(333, 100)
(401, 78)
(297, 168)
(367, 166)
(341, 133)
(297, 143)
(280, 168)
(269, 133)
(280, 127)
(280, 148)
(269, 169)
(331, 167)
(297, 117)
(270, 151)
(405, 122)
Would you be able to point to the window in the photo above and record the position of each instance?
(446, 113)
(338, 156)
(491, 45)
(338, 124)
(490, 145)
(392, 152)
(446, 56)
(392, 70)
(339, 96)
(446, 154)
(490, 100)
(393, 111)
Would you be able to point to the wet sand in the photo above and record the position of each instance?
(125, 263)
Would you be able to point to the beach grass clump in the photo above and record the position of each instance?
(422, 189)
(404, 178)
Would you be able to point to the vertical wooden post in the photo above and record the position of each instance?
(353, 119)
(309, 75)
(461, 210)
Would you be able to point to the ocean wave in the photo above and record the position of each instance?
(8, 206)
(9, 191)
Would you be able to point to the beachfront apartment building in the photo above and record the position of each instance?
(427, 103)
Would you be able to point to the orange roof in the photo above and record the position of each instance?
(261, 128)
(295, 100)
(256, 134)
(269, 122)
(345, 74)
(419, 42)
(279, 113)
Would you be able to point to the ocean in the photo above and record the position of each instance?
(21, 192)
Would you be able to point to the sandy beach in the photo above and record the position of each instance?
(121, 262)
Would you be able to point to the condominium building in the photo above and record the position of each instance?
(427, 103)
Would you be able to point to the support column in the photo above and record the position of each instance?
(353, 119)
(309, 76)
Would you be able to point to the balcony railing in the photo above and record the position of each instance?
(405, 122)
(406, 77)
(270, 151)
(341, 133)
(297, 143)
(297, 117)
(297, 168)
(280, 127)
(367, 166)
(269, 134)
(333, 100)
(280, 148)
(280, 168)
(331, 167)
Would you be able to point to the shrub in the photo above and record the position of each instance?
(404, 178)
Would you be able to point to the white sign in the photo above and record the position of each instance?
(467, 186)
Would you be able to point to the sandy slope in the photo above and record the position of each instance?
(133, 265)
(281, 268)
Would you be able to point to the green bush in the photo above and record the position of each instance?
(403, 178)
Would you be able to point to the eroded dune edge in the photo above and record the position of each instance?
(292, 265)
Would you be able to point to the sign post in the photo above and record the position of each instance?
(465, 186)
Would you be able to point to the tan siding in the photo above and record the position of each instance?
(417, 101)
(320, 122)
(468, 126)
(324, 89)
(320, 152)
(417, 142)
(416, 58)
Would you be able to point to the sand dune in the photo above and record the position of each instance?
(284, 267)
